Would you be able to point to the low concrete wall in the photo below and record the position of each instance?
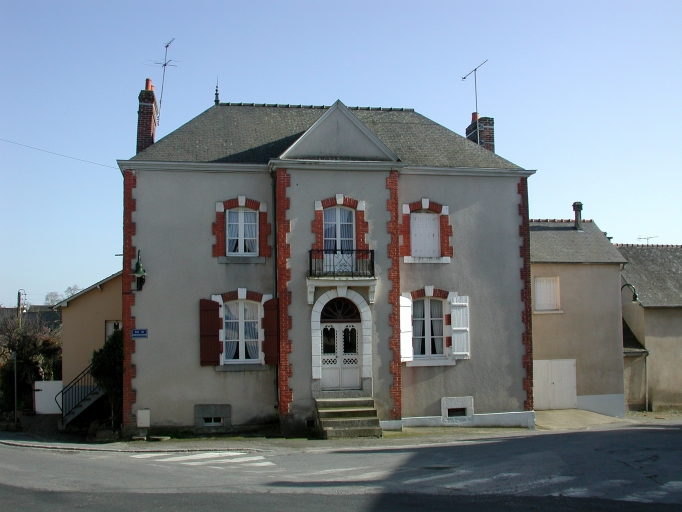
(524, 419)
(44, 393)
(610, 405)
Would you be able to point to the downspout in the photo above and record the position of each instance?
(274, 269)
(646, 374)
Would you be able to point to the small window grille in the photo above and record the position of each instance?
(212, 421)
(459, 411)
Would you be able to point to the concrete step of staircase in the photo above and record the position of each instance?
(338, 433)
(347, 417)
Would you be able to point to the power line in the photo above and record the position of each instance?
(59, 154)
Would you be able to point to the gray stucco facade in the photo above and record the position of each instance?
(344, 160)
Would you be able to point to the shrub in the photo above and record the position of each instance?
(107, 370)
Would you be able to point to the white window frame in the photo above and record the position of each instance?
(545, 307)
(427, 328)
(337, 224)
(242, 339)
(240, 252)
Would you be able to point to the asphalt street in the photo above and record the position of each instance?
(636, 467)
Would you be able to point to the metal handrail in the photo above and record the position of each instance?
(76, 392)
(341, 263)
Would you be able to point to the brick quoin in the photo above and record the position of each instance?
(395, 368)
(285, 371)
(218, 228)
(445, 229)
(526, 314)
(361, 225)
(128, 299)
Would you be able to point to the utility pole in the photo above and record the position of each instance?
(19, 305)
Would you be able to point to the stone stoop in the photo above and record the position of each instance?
(347, 417)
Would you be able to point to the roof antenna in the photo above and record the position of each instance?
(475, 93)
(164, 65)
(217, 96)
(647, 238)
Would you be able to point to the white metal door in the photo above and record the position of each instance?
(554, 384)
(341, 356)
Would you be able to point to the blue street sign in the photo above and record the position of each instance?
(139, 333)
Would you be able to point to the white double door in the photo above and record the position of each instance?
(554, 384)
(341, 356)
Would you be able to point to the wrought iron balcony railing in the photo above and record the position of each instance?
(341, 263)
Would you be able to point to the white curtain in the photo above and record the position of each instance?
(330, 229)
(232, 231)
(436, 326)
(231, 315)
(250, 229)
(251, 330)
(418, 327)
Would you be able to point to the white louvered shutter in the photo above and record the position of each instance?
(460, 326)
(406, 349)
(546, 297)
(424, 235)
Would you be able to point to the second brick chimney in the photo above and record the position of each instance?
(146, 117)
(481, 131)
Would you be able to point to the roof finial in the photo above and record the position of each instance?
(217, 96)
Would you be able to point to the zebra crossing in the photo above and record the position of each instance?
(211, 459)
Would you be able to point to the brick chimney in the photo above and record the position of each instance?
(484, 136)
(146, 117)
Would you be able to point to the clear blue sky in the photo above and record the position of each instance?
(587, 93)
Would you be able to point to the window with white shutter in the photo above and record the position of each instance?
(546, 294)
(406, 348)
(459, 319)
(425, 235)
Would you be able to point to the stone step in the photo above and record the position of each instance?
(335, 423)
(351, 412)
(342, 403)
(337, 433)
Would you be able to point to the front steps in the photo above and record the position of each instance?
(347, 417)
(84, 404)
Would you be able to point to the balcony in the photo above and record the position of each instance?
(341, 263)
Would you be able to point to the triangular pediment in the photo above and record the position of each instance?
(339, 135)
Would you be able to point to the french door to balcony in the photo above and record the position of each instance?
(339, 240)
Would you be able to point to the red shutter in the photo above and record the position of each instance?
(271, 328)
(209, 332)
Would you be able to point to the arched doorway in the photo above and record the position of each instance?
(341, 351)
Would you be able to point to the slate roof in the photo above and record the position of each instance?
(557, 241)
(257, 133)
(656, 272)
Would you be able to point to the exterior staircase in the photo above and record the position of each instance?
(77, 396)
(347, 417)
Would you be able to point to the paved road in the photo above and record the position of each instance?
(633, 468)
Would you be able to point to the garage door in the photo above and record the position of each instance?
(554, 384)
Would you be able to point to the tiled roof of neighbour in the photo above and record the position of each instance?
(557, 241)
(255, 133)
(656, 272)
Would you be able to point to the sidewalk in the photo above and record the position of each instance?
(547, 422)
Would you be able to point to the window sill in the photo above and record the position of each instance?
(549, 312)
(440, 361)
(243, 367)
(419, 259)
(241, 259)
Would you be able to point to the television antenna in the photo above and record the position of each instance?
(647, 238)
(166, 63)
(475, 81)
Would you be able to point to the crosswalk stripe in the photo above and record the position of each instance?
(259, 464)
(436, 477)
(149, 455)
(477, 481)
(211, 455)
(224, 461)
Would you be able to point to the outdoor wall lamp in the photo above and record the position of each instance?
(139, 273)
(635, 297)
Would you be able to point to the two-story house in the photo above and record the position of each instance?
(300, 258)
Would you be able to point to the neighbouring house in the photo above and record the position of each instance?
(293, 260)
(577, 332)
(88, 318)
(653, 326)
